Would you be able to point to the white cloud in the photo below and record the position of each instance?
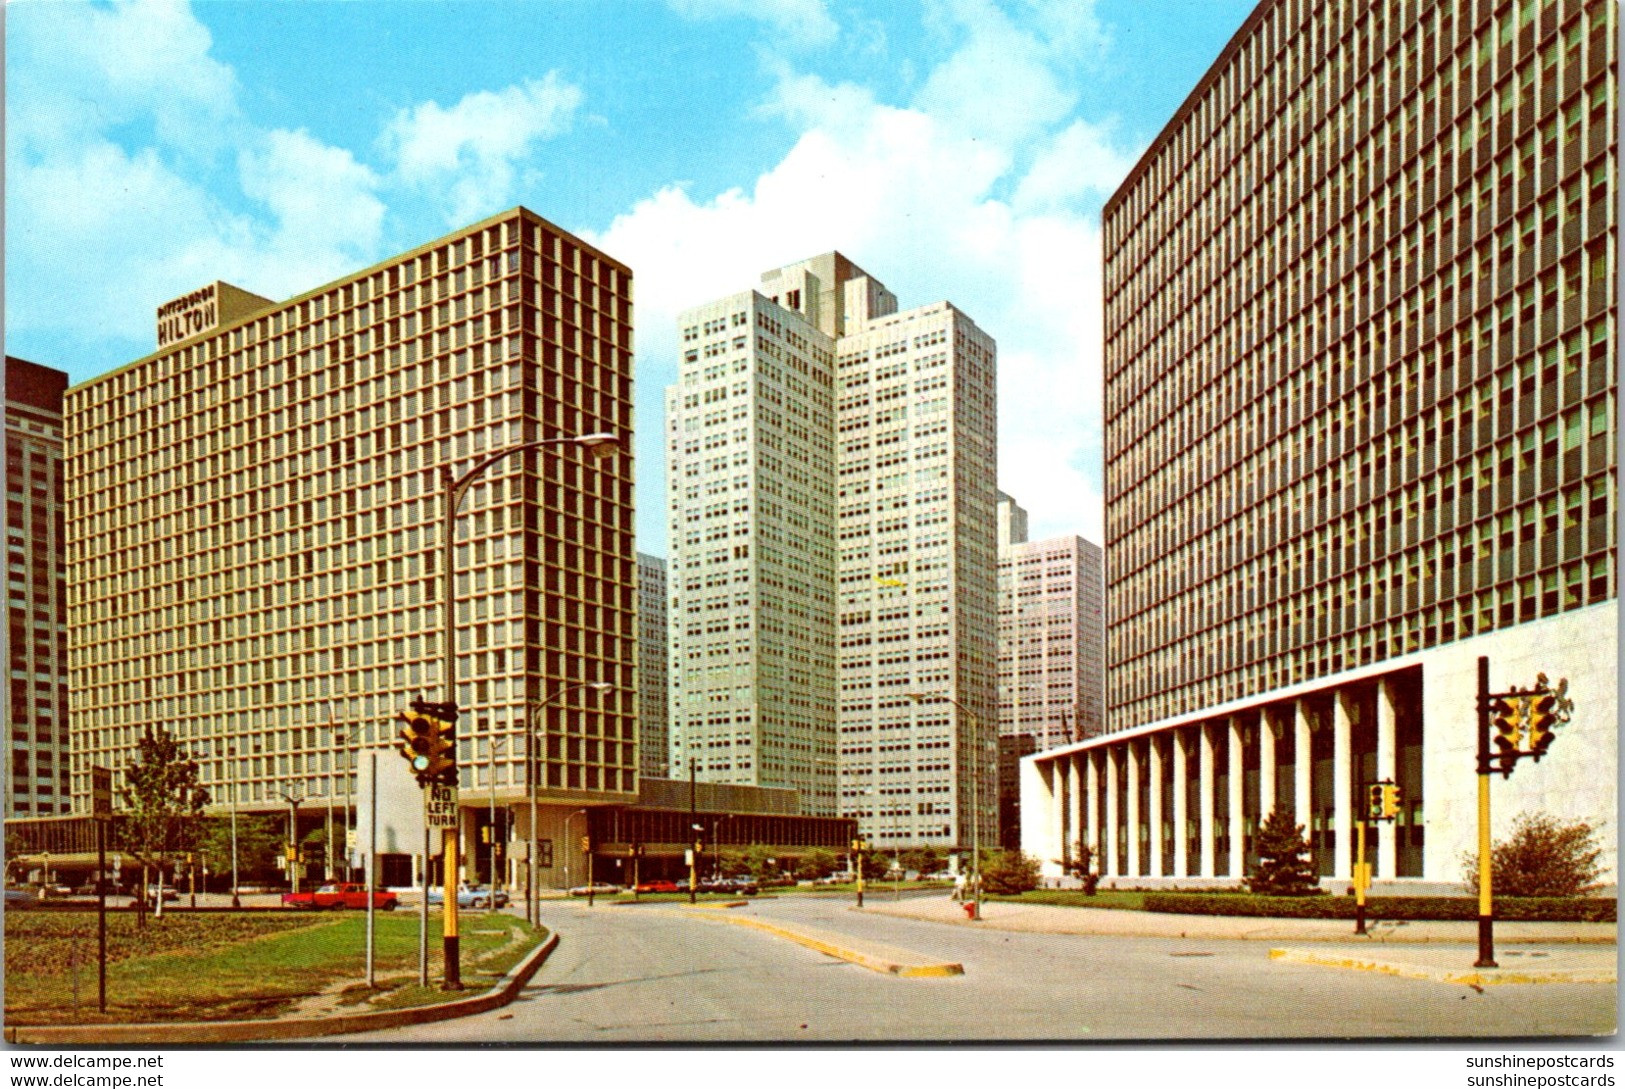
(472, 150)
(1080, 161)
(801, 22)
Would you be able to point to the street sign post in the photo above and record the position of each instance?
(440, 806)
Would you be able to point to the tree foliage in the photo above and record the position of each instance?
(1544, 856)
(260, 840)
(1082, 866)
(163, 802)
(1284, 866)
(924, 860)
(1010, 873)
(815, 863)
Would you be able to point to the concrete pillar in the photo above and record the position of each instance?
(1266, 765)
(1342, 796)
(1182, 861)
(1303, 765)
(1075, 787)
(1058, 811)
(1092, 774)
(1154, 820)
(1133, 755)
(1109, 833)
(1205, 831)
(1387, 768)
(1037, 781)
(1238, 856)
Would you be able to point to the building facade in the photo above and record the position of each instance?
(1360, 357)
(36, 592)
(653, 743)
(859, 529)
(254, 526)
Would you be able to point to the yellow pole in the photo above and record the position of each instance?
(1360, 876)
(448, 854)
(1486, 901)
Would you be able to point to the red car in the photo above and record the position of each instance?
(659, 886)
(340, 896)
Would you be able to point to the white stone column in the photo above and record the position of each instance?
(1133, 755)
(1205, 830)
(1238, 856)
(1109, 836)
(1154, 820)
(1342, 795)
(1057, 830)
(1387, 752)
(1266, 765)
(1092, 771)
(1037, 780)
(1074, 806)
(1303, 766)
(1182, 861)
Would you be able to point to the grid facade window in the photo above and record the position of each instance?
(254, 522)
(1361, 346)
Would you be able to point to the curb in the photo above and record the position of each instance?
(293, 1028)
(1472, 978)
(874, 963)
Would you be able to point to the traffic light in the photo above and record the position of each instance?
(1540, 718)
(1373, 804)
(586, 845)
(1508, 719)
(1390, 800)
(429, 742)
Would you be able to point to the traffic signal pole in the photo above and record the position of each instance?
(1486, 909)
(448, 647)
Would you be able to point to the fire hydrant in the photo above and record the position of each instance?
(970, 909)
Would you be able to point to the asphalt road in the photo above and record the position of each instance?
(658, 974)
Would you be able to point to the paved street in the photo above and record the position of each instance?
(662, 973)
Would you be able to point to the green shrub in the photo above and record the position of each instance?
(1408, 908)
(1284, 867)
(1010, 873)
(1544, 856)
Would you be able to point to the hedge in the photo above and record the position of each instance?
(1507, 909)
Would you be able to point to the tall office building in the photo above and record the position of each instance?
(254, 526)
(832, 463)
(36, 592)
(653, 743)
(1052, 666)
(1360, 388)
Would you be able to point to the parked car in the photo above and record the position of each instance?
(661, 886)
(339, 896)
(20, 899)
(744, 885)
(598, 889)
(476, 897)
(94, 887)
(168, 892)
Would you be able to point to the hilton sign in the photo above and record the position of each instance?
(187, 316)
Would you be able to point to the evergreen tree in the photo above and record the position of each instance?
(1010, 873)
(1284, 866)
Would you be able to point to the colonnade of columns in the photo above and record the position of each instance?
(1090, 794)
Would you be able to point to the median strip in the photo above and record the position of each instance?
(884, 959)
(1578, 971)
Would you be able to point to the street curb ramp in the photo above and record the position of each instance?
(291, 1028)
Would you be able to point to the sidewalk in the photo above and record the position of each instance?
(1440, 951)
(1048, 918)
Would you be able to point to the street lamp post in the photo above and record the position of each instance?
(293, 839)
(531, 785)
(600, 444)
(231, 754)
(976, 796)
(491, 823)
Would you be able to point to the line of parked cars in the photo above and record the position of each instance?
(734, 886)
(338, 897)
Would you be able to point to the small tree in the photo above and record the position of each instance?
(1284, 866)
(1010, 873)
(1544, 856)
(260, 842)
(163, 804)
(1082, 865)
(923, 860)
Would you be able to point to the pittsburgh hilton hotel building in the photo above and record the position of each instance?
(1361, 339)
(254, 520)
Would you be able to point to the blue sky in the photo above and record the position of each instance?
(956, 149)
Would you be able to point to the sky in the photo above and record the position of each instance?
(955, 149)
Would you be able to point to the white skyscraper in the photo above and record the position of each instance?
(820, 440)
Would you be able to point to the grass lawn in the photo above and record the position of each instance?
(219, 967)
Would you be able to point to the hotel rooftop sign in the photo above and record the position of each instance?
(204, 310)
